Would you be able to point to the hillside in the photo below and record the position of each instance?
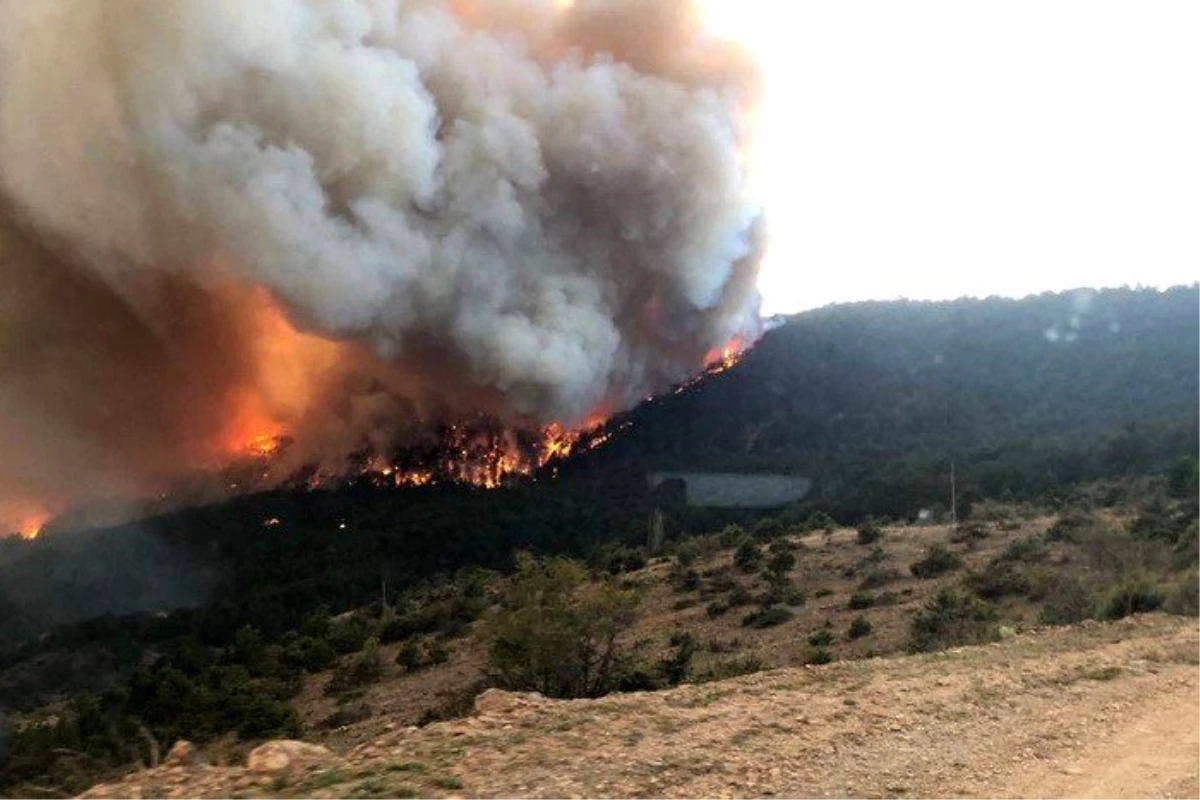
(331, 614)
(870, 400)
(873, 399)
(713, 607)
(1098, 710)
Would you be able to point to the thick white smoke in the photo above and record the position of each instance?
(491, 207)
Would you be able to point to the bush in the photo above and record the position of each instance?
(747, 556)
(686, 554)
(730, 668)
(860, 601)
(999, 579)
(413, 657)
(869, 533)
(818, 521)
(1067, 601)
(969, 532)
(617, 558)
(1187, 547)
(951, 619)
(879, 577)
(1068, 527)
(860, 626)
(360, 670)
(770, 528)
(556, 632)
(731, 535)
(716, 608)
(739, 596)
(307, 653)
(1133, 596)
(938, 561)
(820, 638)
(675, 668)
(684, 580)
(1183, 597)
(819, 655)
(1026, 550)
(767, 617)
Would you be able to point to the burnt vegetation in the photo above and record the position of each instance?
(1097, 433)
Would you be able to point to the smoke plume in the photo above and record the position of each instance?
(341, 219)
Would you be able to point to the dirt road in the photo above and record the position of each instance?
(1096, 710)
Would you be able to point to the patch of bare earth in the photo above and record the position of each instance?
(1099, 709)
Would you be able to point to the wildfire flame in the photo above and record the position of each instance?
(484, 457)
(31, 523)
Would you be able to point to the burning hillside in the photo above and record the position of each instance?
(354, 226)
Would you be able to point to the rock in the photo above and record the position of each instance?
(498, 701)
(288, 757)
(183, 754)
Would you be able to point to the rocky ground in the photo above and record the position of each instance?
(1095, 710)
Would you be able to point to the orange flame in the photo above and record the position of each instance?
(30, 524)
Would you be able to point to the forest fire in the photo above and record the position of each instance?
(30, 525)
(542, 218)
(484, 455)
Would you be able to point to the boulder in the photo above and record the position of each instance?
(289, 758)
(183, 754)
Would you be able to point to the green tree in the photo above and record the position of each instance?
(556, 631)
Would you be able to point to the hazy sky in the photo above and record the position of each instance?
(940, 149)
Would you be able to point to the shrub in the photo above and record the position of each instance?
(716, 608)
(1068, 527)
(731, 535)
(730, 668)
(360, 670)
(818, 521)
(556, 632)
(308, 653)
(869, 533)
(819, 655)
(348, 636)
(938, 561)
(684, 580)
(1027, 550)
(767, 617)
(675, 668)
(999, 579)
(794, 598)
(1183, 597)
(1187, 546)
(770, 528)
(686, 553)
(969, 532)
(879, 577)
(860, 626)
(1067, 601)
(823, 592)
(860, 601)
(820, 638)
(347, 714)
(617, 558)
(1132, 596)
(950, 619)
(739, 596)
(414, 657)
(747, 556)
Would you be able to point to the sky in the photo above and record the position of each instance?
(934, 150)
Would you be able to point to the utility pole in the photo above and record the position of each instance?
(953, 498)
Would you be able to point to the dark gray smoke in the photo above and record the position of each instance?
(334, 216)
